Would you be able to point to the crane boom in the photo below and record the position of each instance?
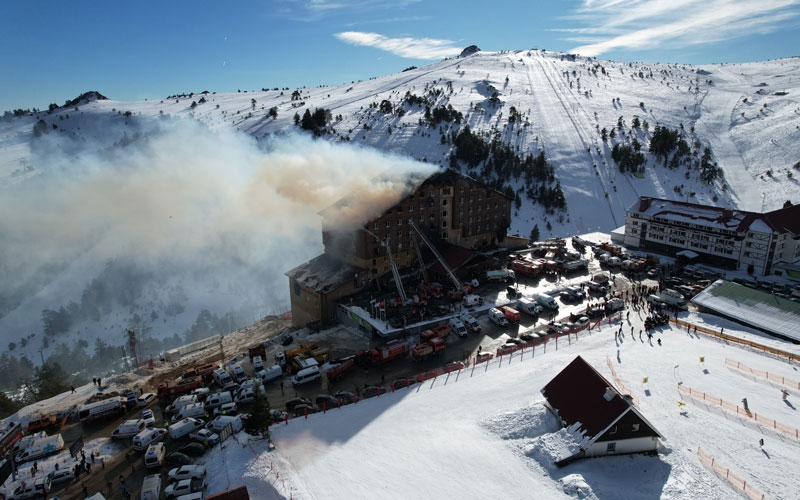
(395, 270)
(421, 262)
(450, 272)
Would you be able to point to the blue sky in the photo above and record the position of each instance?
(54, 50)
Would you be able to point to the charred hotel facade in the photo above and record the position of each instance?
(459, 214)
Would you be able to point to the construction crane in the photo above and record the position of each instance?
(395, 271)
(459, 289)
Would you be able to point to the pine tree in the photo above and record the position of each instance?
(50, 380)
(535, 233)
(258, 422)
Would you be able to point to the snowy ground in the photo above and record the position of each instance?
(483, 433)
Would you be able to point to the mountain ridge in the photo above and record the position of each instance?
(573, 110)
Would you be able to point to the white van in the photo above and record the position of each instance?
(471, 323)
(547, 302)
(154, 456)
(147, 437)
(180, 402)
(218, 399)
(184, 427)
(458, 327)
(258, 363)
(306, 375)
(222, 378)
(274, 372)
(529, 306)
(128, 429)
(151, 487)
(237, 372)
(191, 410)
(218, 424)
(497, 317)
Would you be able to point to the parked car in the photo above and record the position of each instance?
(345, 397)
(303, 409)
(557, 328)
(38, 488)
(326, 399)
(187, 472)
(483, 357)
(149, 418)
(193, 449)
(182, 487)
(61, 476)
(226, 409)
(278, 416)
(204, 436)
(454, 366)
(596, 312)
(596, 287)
(145, 399)
(296, 401)
(178, 458)
(372, 391)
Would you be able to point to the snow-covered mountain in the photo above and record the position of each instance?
(140, 214)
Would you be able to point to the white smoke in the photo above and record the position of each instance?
(212, 204)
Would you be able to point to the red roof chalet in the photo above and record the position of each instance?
(609, 421)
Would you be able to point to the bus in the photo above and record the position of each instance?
(102, 409)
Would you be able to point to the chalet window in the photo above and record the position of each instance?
(444, 213)
(444, 235)
(375, 226)
(635, 427)
(444, 203)
(411, 207)
(613, 430)
(444, 223)
(446, 191)
(388, 223)
(611, 447)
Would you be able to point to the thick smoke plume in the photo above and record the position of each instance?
(215, 205)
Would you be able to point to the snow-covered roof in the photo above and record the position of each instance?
(781, 220)
(752, 307)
